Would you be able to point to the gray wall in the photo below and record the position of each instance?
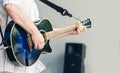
(102, 40)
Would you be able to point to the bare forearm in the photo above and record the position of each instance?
(20, 17)
(71, 30)
(63, 34)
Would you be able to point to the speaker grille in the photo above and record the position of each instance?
(74, 58)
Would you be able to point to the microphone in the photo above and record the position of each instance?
(59, 9)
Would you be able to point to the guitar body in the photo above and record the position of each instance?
(18, 52)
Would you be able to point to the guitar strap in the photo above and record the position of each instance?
(3, 39)
(59, 9)
(1, 36)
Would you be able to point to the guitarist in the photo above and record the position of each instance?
(24, 13)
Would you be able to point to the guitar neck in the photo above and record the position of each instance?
(59, 32)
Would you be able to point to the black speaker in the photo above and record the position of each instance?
(74, 58)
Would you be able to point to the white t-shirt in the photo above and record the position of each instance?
(31, 9)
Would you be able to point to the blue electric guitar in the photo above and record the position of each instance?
(19, 46)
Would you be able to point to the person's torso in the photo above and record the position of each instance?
(31, 9)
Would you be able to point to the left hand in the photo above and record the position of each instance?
(78, 28)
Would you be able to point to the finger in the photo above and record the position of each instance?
(35, 45)
(81, 28)
(79, 23)
(78, 31)
(40, 46)
(84, 28)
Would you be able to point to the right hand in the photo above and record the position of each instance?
(38, 40)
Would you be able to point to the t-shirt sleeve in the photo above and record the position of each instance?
(18, 2)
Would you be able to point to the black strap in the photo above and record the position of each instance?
(59, 9)
(1, 35)
(4, 42)
(64, 12)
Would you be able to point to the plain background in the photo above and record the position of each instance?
(102, 40)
